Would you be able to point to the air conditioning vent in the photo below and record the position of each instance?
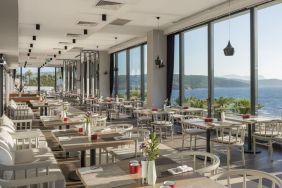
(87, 24)
(58, 49)
(73, 35)
(120, 22)
(64, 43)
(108, 4)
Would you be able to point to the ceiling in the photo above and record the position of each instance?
(59, 17)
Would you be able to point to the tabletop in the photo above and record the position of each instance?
(252, 119)
(210, 125)
(77, 143)
(54, 121)
(117, 175)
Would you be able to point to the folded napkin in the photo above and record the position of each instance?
(90, 169)
(180, 169)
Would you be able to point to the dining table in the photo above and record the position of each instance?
(117, 175)
(83, 143)
(44, 105)
(56, 121)
(209, 126)
(251, 122)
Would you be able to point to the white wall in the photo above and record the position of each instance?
(104, 79)
(156, 93)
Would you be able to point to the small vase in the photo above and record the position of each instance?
(151, 174)
(88, 129)
(222, 116)
(144, 172)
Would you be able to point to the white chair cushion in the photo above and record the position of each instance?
(194, 131)
(6, 137)
(8, 124)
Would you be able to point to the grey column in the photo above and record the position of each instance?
(181, 68)
(210, 69)
(254, 59)
(127, 74)
(38, 80)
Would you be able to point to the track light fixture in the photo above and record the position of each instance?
(73, 41)
(33, 37)
(37, 26)
(55, 55)
(104, 17)
(28, 54)
(66, 47)
(31, 45)
(51, 58)
(85, 31)
(25, 64)
(29, 50)
(59, 52)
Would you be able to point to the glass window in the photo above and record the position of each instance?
(29, 78)
(135, 72)
(232, 73)
(269, 61)
(195, 78)
(122, 74)
(145, 72)
(175, 99)
(47, 79)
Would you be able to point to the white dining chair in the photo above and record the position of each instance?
(230, 136)
(247, 178)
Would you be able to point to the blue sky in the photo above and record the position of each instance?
(269, 46)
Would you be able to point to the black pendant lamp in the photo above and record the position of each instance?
(229, 49)
(158, 61)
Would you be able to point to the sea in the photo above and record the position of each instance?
(269, 97)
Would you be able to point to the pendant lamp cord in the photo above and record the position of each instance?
(229, 20)
(158, 18)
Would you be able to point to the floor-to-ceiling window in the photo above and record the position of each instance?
(47, 79)
(29, 79)
(270, 60)
(135, 72)
(130, 72)
(195, 78)
(232, 73)
(175, 97)
(145, 70)
(122, 82)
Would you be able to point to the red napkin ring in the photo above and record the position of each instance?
(66, 118)
(246, 116)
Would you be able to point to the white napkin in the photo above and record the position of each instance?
(90, 169)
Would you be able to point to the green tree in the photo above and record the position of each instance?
(28, 74)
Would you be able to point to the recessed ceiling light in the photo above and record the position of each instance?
(29, 50)
(59, 52)
(55, 55)
(66, 47)
(28, 54)
(33, 37)
(37, 26)
(51, 58)
(85, 32)
(31, 45)
(73, 41)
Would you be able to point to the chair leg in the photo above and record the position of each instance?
(254, 145)
(195, 142)
(270, 150)
(228, 157)
(191, 137)
(243, 155)
(183, 137)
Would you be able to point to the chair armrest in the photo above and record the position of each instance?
(30, 181)
(27, 134)
(33, 165)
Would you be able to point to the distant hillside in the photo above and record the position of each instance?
(270, 83)
(198, 81)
